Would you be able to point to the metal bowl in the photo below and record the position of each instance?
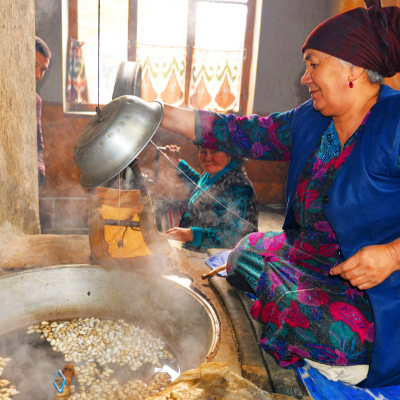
(106, 146)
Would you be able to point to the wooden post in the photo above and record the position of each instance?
(19, 198)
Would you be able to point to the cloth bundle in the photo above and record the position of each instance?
(214, 381)
(119, 244)
(218, 260)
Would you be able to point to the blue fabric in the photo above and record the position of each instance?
(330, 144)
(321, 388)
(218, 259)
(363, 209)
(252, 296)
(197, 236)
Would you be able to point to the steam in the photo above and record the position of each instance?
(206, 192)
(158, 306)
(8, 234)
(32, 367)
(47, 9)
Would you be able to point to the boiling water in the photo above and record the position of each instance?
(34, 363)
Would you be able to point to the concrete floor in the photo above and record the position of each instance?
(271, 218)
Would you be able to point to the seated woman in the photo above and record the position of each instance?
(328, 286)
(218, 209)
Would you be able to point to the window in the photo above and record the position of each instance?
(193, 53)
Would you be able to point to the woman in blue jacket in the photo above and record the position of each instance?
(222, 209)
(328, 286)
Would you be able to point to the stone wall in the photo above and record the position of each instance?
(18, 140)
(285, 25)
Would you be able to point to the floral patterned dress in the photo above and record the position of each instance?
(305, 312)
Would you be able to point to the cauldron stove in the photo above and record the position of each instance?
(165, 305)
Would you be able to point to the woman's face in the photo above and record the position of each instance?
(328, 82)
(213, 161)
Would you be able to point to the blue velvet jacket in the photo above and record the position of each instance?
(363, 209)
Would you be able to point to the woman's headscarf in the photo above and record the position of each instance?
(368, 38)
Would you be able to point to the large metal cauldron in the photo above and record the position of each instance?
(162, 304)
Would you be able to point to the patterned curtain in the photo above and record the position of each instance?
(77, 89)
(215, 80)
(163, 73)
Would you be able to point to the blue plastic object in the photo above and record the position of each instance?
(59, 381)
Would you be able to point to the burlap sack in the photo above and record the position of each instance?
(214, 381)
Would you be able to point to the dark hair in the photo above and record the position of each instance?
(240, 161)
(42, 48)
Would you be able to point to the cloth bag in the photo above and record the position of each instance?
(117, 244)
(214, 380)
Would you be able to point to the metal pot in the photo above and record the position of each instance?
(108, 144)
(165, 305)
(128, 80)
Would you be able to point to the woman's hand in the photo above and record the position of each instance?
(181, 234)
(370, 266)
(174, 153)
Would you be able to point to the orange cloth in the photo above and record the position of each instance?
(114, 243)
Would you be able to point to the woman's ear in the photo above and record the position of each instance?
(355, 73)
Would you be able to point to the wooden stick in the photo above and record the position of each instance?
(213, 272)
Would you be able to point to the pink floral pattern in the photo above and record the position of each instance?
(300, 306)
(304, 311)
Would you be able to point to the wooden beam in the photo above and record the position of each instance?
(132, 29)
(190, 43)
(248, 53)
(73, 19)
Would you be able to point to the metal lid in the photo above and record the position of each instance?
(106, 146)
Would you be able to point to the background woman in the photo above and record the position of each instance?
(328, 286)
(206, 223)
